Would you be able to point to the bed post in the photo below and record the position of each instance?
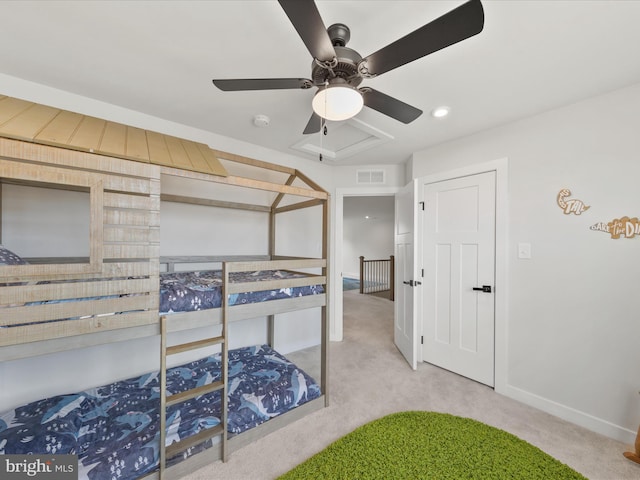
(324, 358)
(272, 251)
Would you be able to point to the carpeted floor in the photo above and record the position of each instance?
(370, 379)
(350, 284)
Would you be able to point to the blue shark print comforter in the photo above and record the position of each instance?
(114, 428)
(191, 291)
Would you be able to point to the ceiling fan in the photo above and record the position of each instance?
(337, 70)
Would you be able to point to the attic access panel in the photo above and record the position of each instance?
(343, 140)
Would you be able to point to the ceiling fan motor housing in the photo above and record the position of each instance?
(346, 68)
(339, 34)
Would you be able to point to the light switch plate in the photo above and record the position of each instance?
(524, 250)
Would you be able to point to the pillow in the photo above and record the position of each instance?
(7, 257)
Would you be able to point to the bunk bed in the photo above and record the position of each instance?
(123, 290)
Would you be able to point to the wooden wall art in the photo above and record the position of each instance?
(624, 227)
(570, 206)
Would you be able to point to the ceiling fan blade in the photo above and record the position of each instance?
(459, 24)
(390, 106)
(314, 124)
(307, 21)
(239, 84)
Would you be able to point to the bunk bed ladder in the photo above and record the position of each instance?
(167, 452)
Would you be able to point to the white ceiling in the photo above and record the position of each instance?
(159, 57)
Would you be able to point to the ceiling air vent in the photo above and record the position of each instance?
(370, 177)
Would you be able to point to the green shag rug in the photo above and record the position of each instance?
(429, 445)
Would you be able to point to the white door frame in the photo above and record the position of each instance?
(336, 327)
(500, 166)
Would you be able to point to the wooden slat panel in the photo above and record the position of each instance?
(114, 140)
(179, 157)
(212, 258)
(275, 284)
(60, 291)
(252, 161)
(215, 167)
(65, 176)
(56, 311)
(154, 235)
(298, 206)
(28, 123)
(131, 269)
(51, 126)
(137, 144)
(158, 151)
(124, 184)
(13, 149)
(155, 187)
(213, 203)
(11, 107)
(109, 270)
(127, 217)
(19, 273)
(60, 129)
(44, 174)
(47, 331)
(96, 226)
(277, 264)
(197, 158)
(206, 318)
(131, 251)
(24, 350)
(89, 134)
(247, 182)
(127, 235)
(122, 200)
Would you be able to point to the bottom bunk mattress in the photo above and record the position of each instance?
(114, 429)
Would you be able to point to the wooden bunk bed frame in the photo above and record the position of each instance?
(124, 262)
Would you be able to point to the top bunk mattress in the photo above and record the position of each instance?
(201, 290)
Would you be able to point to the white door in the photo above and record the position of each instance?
(405, 318)
(459, 263)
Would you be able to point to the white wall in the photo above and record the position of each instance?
(370, 237)
(573, 322)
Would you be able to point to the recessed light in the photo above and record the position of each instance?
(440, 112)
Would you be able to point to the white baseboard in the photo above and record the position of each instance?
(572, 415)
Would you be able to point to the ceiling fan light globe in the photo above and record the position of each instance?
(337, 103)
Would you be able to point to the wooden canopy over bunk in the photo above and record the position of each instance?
(32, 122)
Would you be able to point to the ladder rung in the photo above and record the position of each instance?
(188, 442)
(194, 392)
(185, 347)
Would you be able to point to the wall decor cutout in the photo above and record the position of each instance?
(624, 227)
(569, 206)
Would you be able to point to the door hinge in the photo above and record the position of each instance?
(423, 273)
(421, 204)
(422, 340)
